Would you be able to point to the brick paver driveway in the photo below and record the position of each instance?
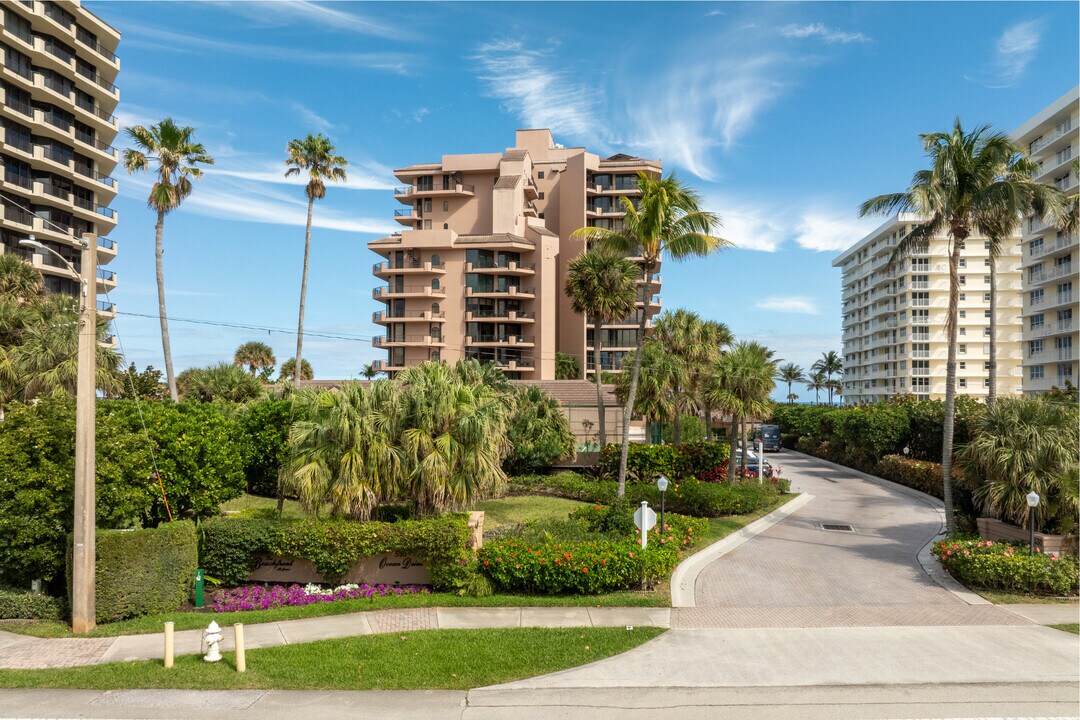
(798, 574)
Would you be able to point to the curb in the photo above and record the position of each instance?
(684, 580)
(926, 558)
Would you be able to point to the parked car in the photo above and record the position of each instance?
(769, 437)
(752, 463)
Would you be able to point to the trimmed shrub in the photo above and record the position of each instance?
(264, 429)
(230, 544)
(809, 445)
(860, 436)
(144, 572)
(926, 477)
(537, 431)
(645, 462)
(1009, 567)
(25, 605)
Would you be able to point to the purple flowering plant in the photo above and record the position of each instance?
(257, 597)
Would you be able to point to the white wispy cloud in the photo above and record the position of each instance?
(527, 84)
(749, 225)
(822, 32)
(1013, 52)
(312, 118)
(277, 13)
(831, 231)
(147, 36)
(360, 176)
(789, 304)
(419, 114)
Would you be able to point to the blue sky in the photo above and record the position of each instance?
(783, 116)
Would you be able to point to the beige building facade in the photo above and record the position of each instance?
(1051, 274)
(57, 99)
(479, 268)
(894, 320)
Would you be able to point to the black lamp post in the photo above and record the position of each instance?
(1033, 502)
(661, 484)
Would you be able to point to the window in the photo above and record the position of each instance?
(540, 175)
(986, 297)
(986, 332)
(541, 196)
(963, 297)
(427, 205)
(963, 349)
(963, 313)
(1035, 372)
(963, 279)
(436, 261)
(446, 226)
(446, 206)
(986, 366)
(986, 245)
(963, 365)
(427, 224)
(1065, 370)
(1036, 321)
(986, 313)
(963, 331)
(963, 382)
(986, 279)
(435, 284)
(963, 263)
(1035, 347)
(1036, 247)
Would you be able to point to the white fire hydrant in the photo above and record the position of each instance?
(212, 636)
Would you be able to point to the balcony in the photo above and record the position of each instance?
(386, 293)
(1047, 248)
(531, 191)
(493, 316)
(386, 366)
(106, 308)
(408, 267)
(1052, 274)
(89, 41)
(407, 193)
(1058, 132)
(499, 341)
(501, 267)
(388, 341)
(406, 217)
(530, 209)
(385, 316)
(511, 291)
(1053, 328)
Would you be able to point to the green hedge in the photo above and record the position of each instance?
(25, 605)
(145, 572)
(646, 462)
(230, 544)
(688, 497)
(1005, 566)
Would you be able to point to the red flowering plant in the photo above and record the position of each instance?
(998, 565)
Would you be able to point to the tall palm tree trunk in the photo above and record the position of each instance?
(298, 369)
(745, 449)
(733, 442)
(950, 383)
(635, 375)
(991, 394)
(828, 378)
(676, 431)
(600, 414)
(166, 346)
(789, 399)
(708, 422)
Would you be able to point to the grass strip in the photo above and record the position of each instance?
(422, 660)
(1073, 628)
(1008, 598)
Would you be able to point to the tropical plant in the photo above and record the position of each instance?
(369, 371)
(741, 382)
(828, 363)
(963, 186)
(288, 370)
(1022, 445)
(566, 367)
(176, 155)
(221, 381)
(695, 344)
(817, 382)
(538, 433)
(257, 357)
(602, 287)
(145, 385)
(659, 373)
(666, 219)
(19, 280)
(790, 373)
(314, 158)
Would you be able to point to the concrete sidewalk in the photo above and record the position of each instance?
(23, 652)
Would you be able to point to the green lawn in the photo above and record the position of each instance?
(255, 506)
(430, 659)
(1007, 598)
(1073, 628)
(522, 508)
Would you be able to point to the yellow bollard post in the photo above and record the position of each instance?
(238, 638)
(169, 644)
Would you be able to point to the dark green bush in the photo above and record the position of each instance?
(646, 462)
(264, 429)
(926, 477)
(859, 436)
(230, 544)
(800, 420)
(810, 446)
(25, 605)
(145, 572)
(538, 432)
(1007, 566)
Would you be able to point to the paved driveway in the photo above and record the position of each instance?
(798, 573)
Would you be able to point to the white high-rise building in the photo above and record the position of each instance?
(1051, 278)
(894, 319)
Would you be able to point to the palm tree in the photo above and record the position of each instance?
(369, 371)
(829, 363)
(313, 157)
(223, 381)
(1020, 445)
(288, 370)
(258, 357)
(602, 286)
(743, 378)
(19, 280)
(660, 372)
(722, 338)
(790, 373)
(665, 219)
(684, 336)
(817, 382)
(176, 154)
(962, 185)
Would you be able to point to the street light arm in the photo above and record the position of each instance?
(31, 242)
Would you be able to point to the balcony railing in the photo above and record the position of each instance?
(94, 142)
(104, 242)
(57, 51)
(20, 180)
(55, 191)
(18, 106)
(57, 121)
(95, 78)
(1052, 274)
(105, 307)
(88, 40)
(106, 275)
(93, 109)
(21, 70)
(1045, 140)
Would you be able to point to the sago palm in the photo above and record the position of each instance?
(790, 373)
(602, 286)
(666, 219)
(175, 154)
(257, 357)
(312, 157)
(962, 185)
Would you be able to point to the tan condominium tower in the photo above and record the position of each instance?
(58, 126)
(895, 341)
(1051, 276)
(479, 270)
